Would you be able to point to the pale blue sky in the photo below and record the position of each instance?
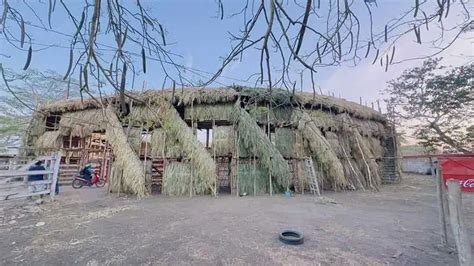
(202, 40)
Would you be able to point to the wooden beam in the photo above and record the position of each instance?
(442, 211)
(461, 236)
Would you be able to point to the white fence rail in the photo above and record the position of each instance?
(14, 183)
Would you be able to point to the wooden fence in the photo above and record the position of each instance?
(14, 182)
(450, 209)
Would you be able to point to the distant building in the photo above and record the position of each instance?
(415, 165)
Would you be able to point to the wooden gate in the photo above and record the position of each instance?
(14, 183)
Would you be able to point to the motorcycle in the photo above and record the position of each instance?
(80, 181)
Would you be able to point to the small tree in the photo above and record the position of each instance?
(438, 102)
(24, 93)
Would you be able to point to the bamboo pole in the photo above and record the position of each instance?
(270, 138)
(461, 237)
(440, 192)
(192, 168)
(145, 155)
(254, 165)
(237, 164)
(165, 162)
(214, 152)
(254, 172)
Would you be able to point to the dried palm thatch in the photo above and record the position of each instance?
(338, 105)
(82, 123)
(376, 147)
(177, 179)
(143, 114)
(285, 141)
(185, 96)
(253, 138)
(135, 138)
(253, 176)
(362, 153)
(277, 116)
(133, 176)
(204, 167)
(50, 139)
(164, 145)
(321, 149)
(333, 141)
(223, 140)
(209, 112)
(324, 120)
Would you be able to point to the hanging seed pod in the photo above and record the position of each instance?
(386, 63)
(221, 7)
(368, 49)
(393, 54)
(81, 23)
(448, 4)
(86, 78)
(50, 10)
(386, 33)
(28, 59)
(381, 61)
(417, 33)
(80, 77)
(376, 56)
(124, 76)
(417, 6)
(339, 48)
(319, 53)
(71, 58)
(162, 31)
(23, 34)
(143, 60)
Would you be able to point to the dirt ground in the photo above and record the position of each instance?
(396, 226)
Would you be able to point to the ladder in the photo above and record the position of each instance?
(313, 179)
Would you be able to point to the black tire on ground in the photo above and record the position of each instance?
(291, 237)
(76, 183)
(101, 183)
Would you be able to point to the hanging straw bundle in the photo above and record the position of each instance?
(176, 179)
(252, 137)
(322, 151)
(133, 178)
(204, 167)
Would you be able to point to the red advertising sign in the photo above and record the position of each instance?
(459, 168)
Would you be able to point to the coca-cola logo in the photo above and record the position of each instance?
(469, 183)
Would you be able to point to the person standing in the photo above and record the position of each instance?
(38, 166)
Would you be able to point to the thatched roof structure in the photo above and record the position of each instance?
(273, 133)
(225, 95)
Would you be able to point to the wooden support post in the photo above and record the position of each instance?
(144, 159)
(378, 106)
(270, 177)
(237, 164)
(55, 176)
(254, 172)
(164, 164)
(442, 211)
(214, 153)
(360, 100)
(270, 138)
(461, 237)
